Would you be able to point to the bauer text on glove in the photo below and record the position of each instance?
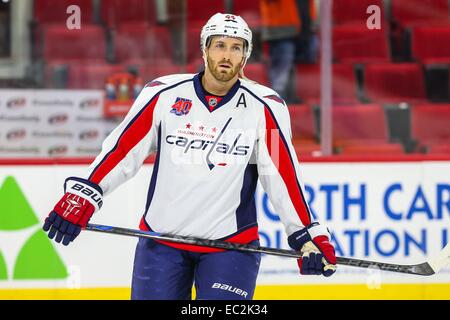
(72, 213)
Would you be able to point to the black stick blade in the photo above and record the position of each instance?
(423, 269)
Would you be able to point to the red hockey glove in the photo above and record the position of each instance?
(318, 255)
(72, 213)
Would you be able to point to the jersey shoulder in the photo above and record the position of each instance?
(169, 80)
(164, 83)
(155, 87)
(266, 94)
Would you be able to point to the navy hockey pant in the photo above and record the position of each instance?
(166, 273)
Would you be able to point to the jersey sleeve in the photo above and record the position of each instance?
(278, 168)
(129, 144)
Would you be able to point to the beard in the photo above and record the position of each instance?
(223, 75)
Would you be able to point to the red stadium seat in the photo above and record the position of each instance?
(86, 44)
(151, 72)
(431, 44)
(358, 44)
(91, 76)
(257, 72)
(193, 43)
(51, 11)
(303, 130)
(195, 66)
(117, 12)
(199, 11)
(344, 83)
(410, 12)
(430, 126)
(354, 11)
(376, 148)
(439, 148)
(363, 122)
(395, 83)
(139, 43)
(249, 10)
(302, 122)
(306, 148)
(362, 129)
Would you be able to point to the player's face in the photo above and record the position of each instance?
(225, 56)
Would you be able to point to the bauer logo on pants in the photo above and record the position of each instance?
(229, 288)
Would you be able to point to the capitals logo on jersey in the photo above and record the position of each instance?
(210, 145)
(181, 107)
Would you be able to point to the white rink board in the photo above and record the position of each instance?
(394, 205)
(52, 123)
(392, 212)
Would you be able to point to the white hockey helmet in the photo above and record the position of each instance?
(223, 24)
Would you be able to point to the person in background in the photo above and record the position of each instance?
(307, 42)
(280, 30)
(5, 41)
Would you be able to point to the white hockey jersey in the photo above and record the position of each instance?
(207, 162)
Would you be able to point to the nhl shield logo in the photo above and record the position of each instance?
(181, 107)
(212, 102)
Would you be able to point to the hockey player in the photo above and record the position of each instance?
(215, 134)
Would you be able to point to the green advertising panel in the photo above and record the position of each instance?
(37, 259)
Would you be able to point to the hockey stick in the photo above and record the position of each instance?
(424, 269)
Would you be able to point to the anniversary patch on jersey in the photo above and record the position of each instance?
(181, 107)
